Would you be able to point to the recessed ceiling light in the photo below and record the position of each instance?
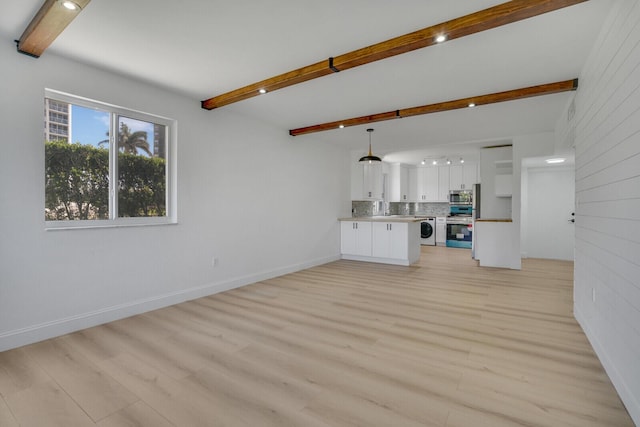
(552, 161)
(461, 160)
(441, 38)
(70, 5)
(262, 91)
(422, 162)
(435, 162)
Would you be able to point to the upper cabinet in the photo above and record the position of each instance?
(372, 181)
(444, 181)
(428, 187)
(367, 181)
(399, 183)
(462, 177)
(429, 183)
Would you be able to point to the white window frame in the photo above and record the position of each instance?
(115, 111)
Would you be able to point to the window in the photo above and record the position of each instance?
(106, 165)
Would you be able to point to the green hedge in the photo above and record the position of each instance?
(77, 183)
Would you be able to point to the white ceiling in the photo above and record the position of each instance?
(203, 48)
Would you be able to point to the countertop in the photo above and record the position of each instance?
(388, 218)
(494, 220)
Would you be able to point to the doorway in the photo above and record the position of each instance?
(549, 203)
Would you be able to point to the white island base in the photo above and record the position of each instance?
(387, 240)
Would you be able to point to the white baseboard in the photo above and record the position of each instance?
(619, 382)
(31, 334)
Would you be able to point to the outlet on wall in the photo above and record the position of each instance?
(214, 261)
(593, 294)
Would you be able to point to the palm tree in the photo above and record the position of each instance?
(129, 142)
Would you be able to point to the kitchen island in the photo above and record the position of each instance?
(383, 239)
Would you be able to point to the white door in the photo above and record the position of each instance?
(550, 204)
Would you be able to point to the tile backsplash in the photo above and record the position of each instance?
(432, 209)
(367, 208)
(371, 208)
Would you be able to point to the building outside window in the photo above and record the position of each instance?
(57, 119)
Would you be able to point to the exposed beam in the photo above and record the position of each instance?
(486, 19)
(52, 18)
(492, 98)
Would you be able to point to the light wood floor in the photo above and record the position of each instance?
(442, 343)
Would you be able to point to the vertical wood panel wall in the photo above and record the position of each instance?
(607, 252)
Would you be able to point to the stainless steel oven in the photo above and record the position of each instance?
(459, 232)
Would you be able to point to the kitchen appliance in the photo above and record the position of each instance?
(460, 197)
(460, 211)
(460, 227)
(475, 201)
(475, 214)
(428, 231)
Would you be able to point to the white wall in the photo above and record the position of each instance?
(524, 147)
(261, 201)
(607, 141)
(490, 205)
(549, 200)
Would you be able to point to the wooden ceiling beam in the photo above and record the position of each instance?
(52, 18)
(502, 14)
(510, 95)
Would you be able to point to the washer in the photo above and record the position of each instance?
(428, 231)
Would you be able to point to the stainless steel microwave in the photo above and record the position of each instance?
(460, 197)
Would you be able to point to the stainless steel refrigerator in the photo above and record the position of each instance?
(475, 201)
(475, 214)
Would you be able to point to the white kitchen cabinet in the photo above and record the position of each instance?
(413, 184)
(427, 184)
(469, 175)
(443, 183)
(432, 184)
(441, 231)
(372, 181)
(399, 183)
(455, 177)
(355, 238)
(390, 240)
(462, 177)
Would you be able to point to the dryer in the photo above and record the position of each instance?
(428, 231)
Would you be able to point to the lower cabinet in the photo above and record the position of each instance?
(355, 238)
(378, 241)
(390, 240)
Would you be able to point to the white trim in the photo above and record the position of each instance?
(393, 261)
(57, 327)
(617, 379)
(108, 223)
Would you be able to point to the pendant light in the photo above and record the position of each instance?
(370, 157)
